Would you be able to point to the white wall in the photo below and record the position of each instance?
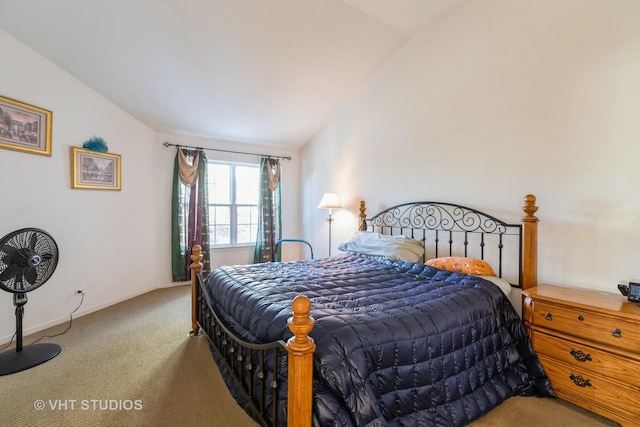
(110, 242)
(115, 244)
(501, 99)
(498, 100)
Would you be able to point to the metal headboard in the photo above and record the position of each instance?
(454, 230)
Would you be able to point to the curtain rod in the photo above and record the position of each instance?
(166, 144)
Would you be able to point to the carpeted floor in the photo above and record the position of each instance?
(133, 364)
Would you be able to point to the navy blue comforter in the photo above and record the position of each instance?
(398, 344)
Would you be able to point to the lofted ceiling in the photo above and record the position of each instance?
(269, 72)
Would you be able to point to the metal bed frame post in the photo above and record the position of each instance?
(300, 349)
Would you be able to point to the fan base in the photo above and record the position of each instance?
(12, 361)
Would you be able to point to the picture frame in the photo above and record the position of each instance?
(94, 170)
(25, 127)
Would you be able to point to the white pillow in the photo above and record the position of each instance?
(398, 247)
(501, 283)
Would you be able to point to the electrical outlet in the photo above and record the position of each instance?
(81, 291)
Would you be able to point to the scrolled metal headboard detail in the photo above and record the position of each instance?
(450, 230)
(437, 216)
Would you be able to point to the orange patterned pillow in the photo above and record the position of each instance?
(462, 265)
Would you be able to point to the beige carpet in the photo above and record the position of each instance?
(133, 364)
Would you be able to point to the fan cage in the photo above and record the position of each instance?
(28, 257)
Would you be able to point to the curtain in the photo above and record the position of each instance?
(269, 219)
(189, 212)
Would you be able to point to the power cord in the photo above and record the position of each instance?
(70, 321)
(10, 342)
(51, 336)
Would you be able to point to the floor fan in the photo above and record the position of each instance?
(28, 258)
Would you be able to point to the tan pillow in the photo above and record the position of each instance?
(462, 265)
(398, 247)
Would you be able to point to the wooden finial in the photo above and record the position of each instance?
(529, 274)
(363, 216)
(196, 257)
(300, 324)
(196, 267)
(530, 208)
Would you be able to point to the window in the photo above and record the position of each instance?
(234, 189)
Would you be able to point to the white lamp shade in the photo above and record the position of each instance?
(330, 201)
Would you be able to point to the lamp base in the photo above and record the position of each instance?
(330, 221)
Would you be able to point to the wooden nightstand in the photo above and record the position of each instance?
(589, 344)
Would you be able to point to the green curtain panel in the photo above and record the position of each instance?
(269, 216)
(189, 212)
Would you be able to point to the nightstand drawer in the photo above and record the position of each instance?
(595, 391)
(588, 325)
(586, 358)
(589, 345)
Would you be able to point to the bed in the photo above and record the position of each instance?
(363, 339)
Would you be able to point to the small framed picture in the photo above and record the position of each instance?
(24, 127)
(93, 170)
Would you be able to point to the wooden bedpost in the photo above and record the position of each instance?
(529, 243)
(196, 267)
(363, 216)
(300, 348)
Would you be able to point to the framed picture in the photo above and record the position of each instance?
(94, 170)
(24, 127)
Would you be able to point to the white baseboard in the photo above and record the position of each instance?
(83, 312)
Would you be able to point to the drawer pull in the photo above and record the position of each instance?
(617, 333)
(580, 318)
(580, 356)
(579, 381)
(548, 316)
